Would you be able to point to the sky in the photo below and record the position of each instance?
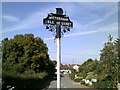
(92, 23)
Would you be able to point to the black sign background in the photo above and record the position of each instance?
(55, 19)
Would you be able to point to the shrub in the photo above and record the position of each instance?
(25, 80)
(77, 80)
(72, 76)
(82, 82)
(105, 84)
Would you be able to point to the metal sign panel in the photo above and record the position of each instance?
(55, 19)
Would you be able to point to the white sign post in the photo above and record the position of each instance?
(55, 21)
(58, 62)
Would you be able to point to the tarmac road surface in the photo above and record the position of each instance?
(66, 82)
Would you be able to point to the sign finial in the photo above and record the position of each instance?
(59, 11)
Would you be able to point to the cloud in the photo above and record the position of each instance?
(96, 14)
(32, 21)
(101, 19)
(109, 28)
(51, 38)
(80, 33)
(10, 18)
(74, 34)
(60, 1)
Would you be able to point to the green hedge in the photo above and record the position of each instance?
(33, 81)
(72, 76)
(105, 84)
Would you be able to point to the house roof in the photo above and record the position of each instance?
(69, 66)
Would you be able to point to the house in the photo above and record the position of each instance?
(65, 68)
(76, 67)
(68, 68)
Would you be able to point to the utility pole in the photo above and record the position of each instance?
(73, 61)
(58, 24)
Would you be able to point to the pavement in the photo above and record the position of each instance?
(66, 82)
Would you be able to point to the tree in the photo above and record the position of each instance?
(26, 60)
(88, 66)
(55, 62)
(109, 64)
(106, 70)
(26, 52)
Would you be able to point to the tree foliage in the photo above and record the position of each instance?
(109, 63)
(106, 69)
(26, 54)
(87, 67)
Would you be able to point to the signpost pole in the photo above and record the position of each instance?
(58, 37)
(58, 62)
(59, 21)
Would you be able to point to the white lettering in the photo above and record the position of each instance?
(58, 23)
(58, 18)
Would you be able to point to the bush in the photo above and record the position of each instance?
(72, 76)
(25, 80)
(77, 80)
(105, 84)
(82, 82)
(25, 62)
(84, 74)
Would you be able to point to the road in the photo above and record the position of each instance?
(65, 83)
